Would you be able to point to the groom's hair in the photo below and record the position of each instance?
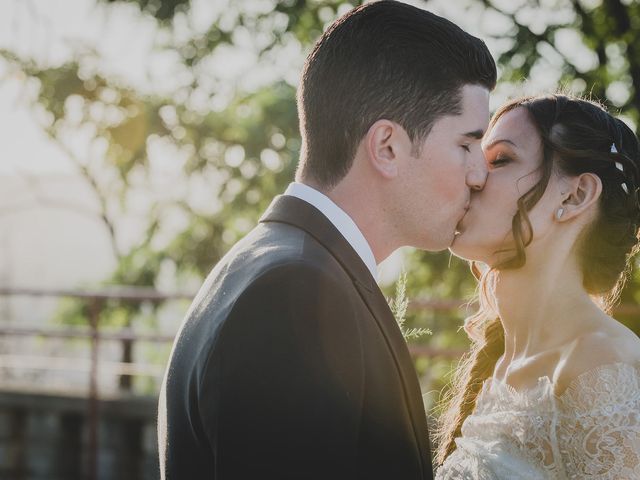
(382, 60)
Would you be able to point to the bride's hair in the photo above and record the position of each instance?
(578, 136)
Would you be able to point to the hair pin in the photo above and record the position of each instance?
(620, 167)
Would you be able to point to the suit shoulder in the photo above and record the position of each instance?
(297, 280)
(274, 244)
(293, 305)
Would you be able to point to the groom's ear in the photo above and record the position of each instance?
(382, 146)
(584, 192)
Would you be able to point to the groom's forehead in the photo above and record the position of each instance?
(472, 118)
(472, 127)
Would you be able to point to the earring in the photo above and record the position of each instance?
(559, 213)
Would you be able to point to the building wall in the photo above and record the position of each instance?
(46, 437)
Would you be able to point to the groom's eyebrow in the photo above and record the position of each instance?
(476, 134)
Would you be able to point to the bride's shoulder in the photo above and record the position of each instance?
(610, 352)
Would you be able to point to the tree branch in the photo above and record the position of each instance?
(93, 183)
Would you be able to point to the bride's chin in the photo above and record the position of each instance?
(462, 249)
(462, 253)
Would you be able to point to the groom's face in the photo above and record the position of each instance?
(437, 185)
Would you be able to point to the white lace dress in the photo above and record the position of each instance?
(592, 431)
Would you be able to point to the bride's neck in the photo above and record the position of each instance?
(540, 305)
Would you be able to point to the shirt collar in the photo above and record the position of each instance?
(339, 218)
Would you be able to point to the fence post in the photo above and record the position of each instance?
(125, 381)
(95, 307)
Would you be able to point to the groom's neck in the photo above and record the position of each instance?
(362, 202)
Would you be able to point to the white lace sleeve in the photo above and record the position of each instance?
(599, 430)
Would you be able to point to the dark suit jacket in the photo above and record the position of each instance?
(290, 365)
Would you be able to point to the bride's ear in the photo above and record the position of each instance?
(382, 146)
(580, 196)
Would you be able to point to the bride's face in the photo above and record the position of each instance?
(513, 151)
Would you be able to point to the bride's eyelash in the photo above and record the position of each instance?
(500, 159)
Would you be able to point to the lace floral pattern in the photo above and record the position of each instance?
(591, 431)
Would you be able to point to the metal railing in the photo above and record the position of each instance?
(95, 301)
(127, 368)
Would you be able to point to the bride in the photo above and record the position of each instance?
(551, 386)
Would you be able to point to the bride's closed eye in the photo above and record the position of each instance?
(500, 160)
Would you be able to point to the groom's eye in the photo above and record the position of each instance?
(466, 147)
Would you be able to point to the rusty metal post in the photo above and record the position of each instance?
(126, 380)
(95, 307)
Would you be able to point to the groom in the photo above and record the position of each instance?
(290, 364)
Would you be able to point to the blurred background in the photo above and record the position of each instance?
(139, 139)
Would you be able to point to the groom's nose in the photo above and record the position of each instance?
(477, 173)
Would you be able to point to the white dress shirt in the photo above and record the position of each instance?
(339, 218)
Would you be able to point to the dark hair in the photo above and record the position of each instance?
(385, 60)
(577, 137)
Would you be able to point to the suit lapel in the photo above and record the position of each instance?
(406, 369)
(297, 212)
